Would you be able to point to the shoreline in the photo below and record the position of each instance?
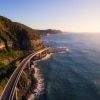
(39, 89)
(35, 84)
(40, 81)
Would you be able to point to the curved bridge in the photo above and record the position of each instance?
(9, 90)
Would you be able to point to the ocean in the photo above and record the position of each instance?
(73, 74)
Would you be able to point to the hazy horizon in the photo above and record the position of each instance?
(66, 15)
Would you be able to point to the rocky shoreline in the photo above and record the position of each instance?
(23, 92)
(32, 87)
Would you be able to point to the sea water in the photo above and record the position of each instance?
(75, 73)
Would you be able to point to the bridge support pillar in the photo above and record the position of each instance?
(48, 51)
(40, 55)
(15, 94)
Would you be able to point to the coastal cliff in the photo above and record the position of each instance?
(48, 32)
(16, 35)
(16, 42)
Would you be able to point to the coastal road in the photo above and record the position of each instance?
(9, 90)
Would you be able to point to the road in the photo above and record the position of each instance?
(9, 90)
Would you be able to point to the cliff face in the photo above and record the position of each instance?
(16, 35)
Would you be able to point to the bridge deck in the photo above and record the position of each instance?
(9, 90)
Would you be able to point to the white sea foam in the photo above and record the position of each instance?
(63, 49)
(47, 56)
(40, 86)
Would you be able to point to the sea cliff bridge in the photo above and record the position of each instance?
(9, 92)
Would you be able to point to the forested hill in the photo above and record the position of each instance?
(49, 31)
(13, 34)
(16, 42)
(17, 35)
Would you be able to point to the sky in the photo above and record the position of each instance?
(66, 15)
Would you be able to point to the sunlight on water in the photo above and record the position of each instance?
(72, 75)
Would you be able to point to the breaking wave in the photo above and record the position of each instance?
(62, 49)
(40, 81)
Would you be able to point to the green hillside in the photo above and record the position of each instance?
(16, 33)
(16, 42)
(49, 31)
